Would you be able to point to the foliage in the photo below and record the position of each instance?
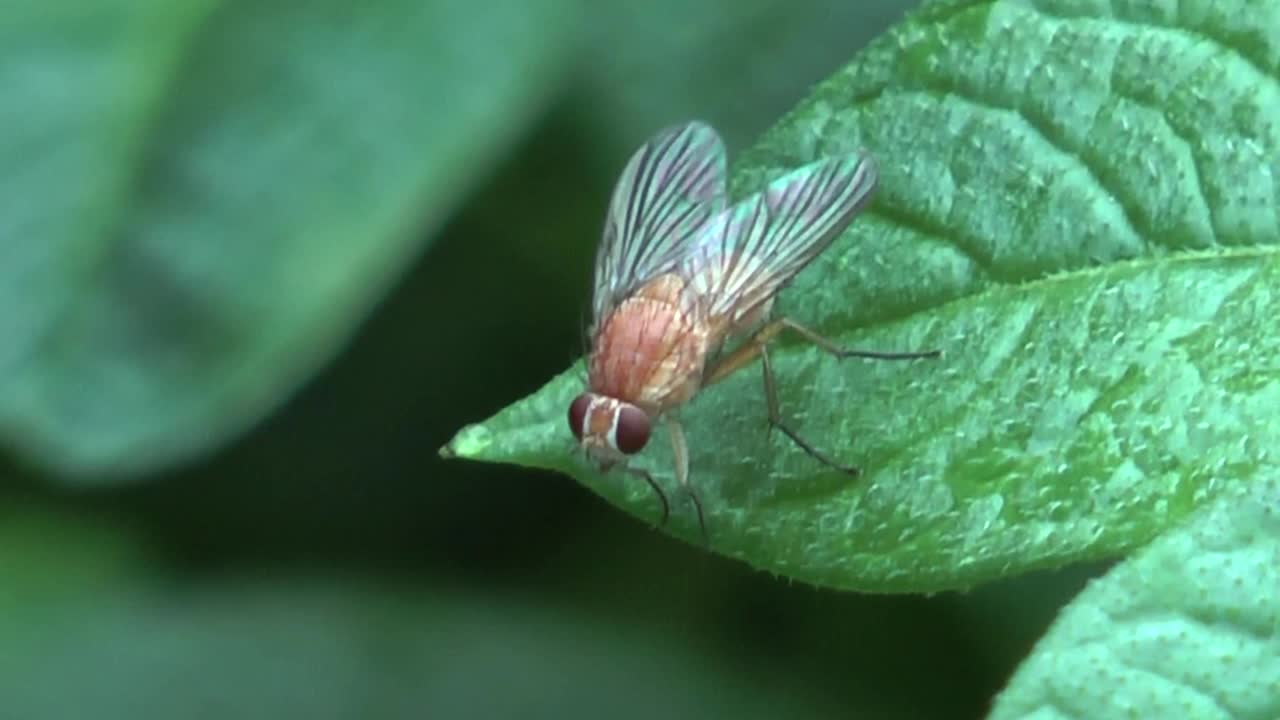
(1090, 243)
(257, 261)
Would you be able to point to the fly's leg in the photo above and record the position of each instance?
(735, 360)
(757, 346)
(657, 490)
(680, 452)
(775, 419)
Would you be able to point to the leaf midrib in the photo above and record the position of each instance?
(994, 288)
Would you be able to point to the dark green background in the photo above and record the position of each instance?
(329, 563)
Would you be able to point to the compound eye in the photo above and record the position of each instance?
(578, 414)
(633, 429)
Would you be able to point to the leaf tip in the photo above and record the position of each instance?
(470, 442)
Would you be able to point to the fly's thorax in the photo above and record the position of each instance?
(668, 288)
(607, 428)
(651, 349)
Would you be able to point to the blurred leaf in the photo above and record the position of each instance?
(737, 64)
(81, 79)
(1187, 628)
(1091, 245)
(47, 557)
(139, 640)
(307, 648)
(210, 202)
(310, 648)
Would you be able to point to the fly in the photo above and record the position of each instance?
(678, 272)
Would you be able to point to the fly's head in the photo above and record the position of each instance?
(608, 429)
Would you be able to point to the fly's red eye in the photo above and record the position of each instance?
(578, 414)
(633, 429)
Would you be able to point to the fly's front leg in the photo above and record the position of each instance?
(657, 490)
(757, 346)
(680, 453)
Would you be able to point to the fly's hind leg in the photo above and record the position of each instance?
(757, 345)
(776, 421)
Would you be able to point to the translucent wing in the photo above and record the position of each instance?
(672, 186)
(747, 253)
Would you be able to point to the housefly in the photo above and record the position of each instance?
(679, 272)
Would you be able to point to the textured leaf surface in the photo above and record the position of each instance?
(1188, 628)
(1079, 205)
(205, 202)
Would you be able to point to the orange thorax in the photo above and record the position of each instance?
(650, 351)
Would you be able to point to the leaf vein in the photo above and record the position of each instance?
(1038, 128)
(1257, 65)
(970, 249)
(1179, 130)
(1156, 677)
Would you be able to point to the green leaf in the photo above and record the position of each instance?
(1081, 210)
(736, 64)
(316, 648)
(205, 204)
(88, 619)
(81, 80)
(48, 557)
(1187, 628)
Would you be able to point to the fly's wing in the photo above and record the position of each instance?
(745, 255)
(672, 186)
